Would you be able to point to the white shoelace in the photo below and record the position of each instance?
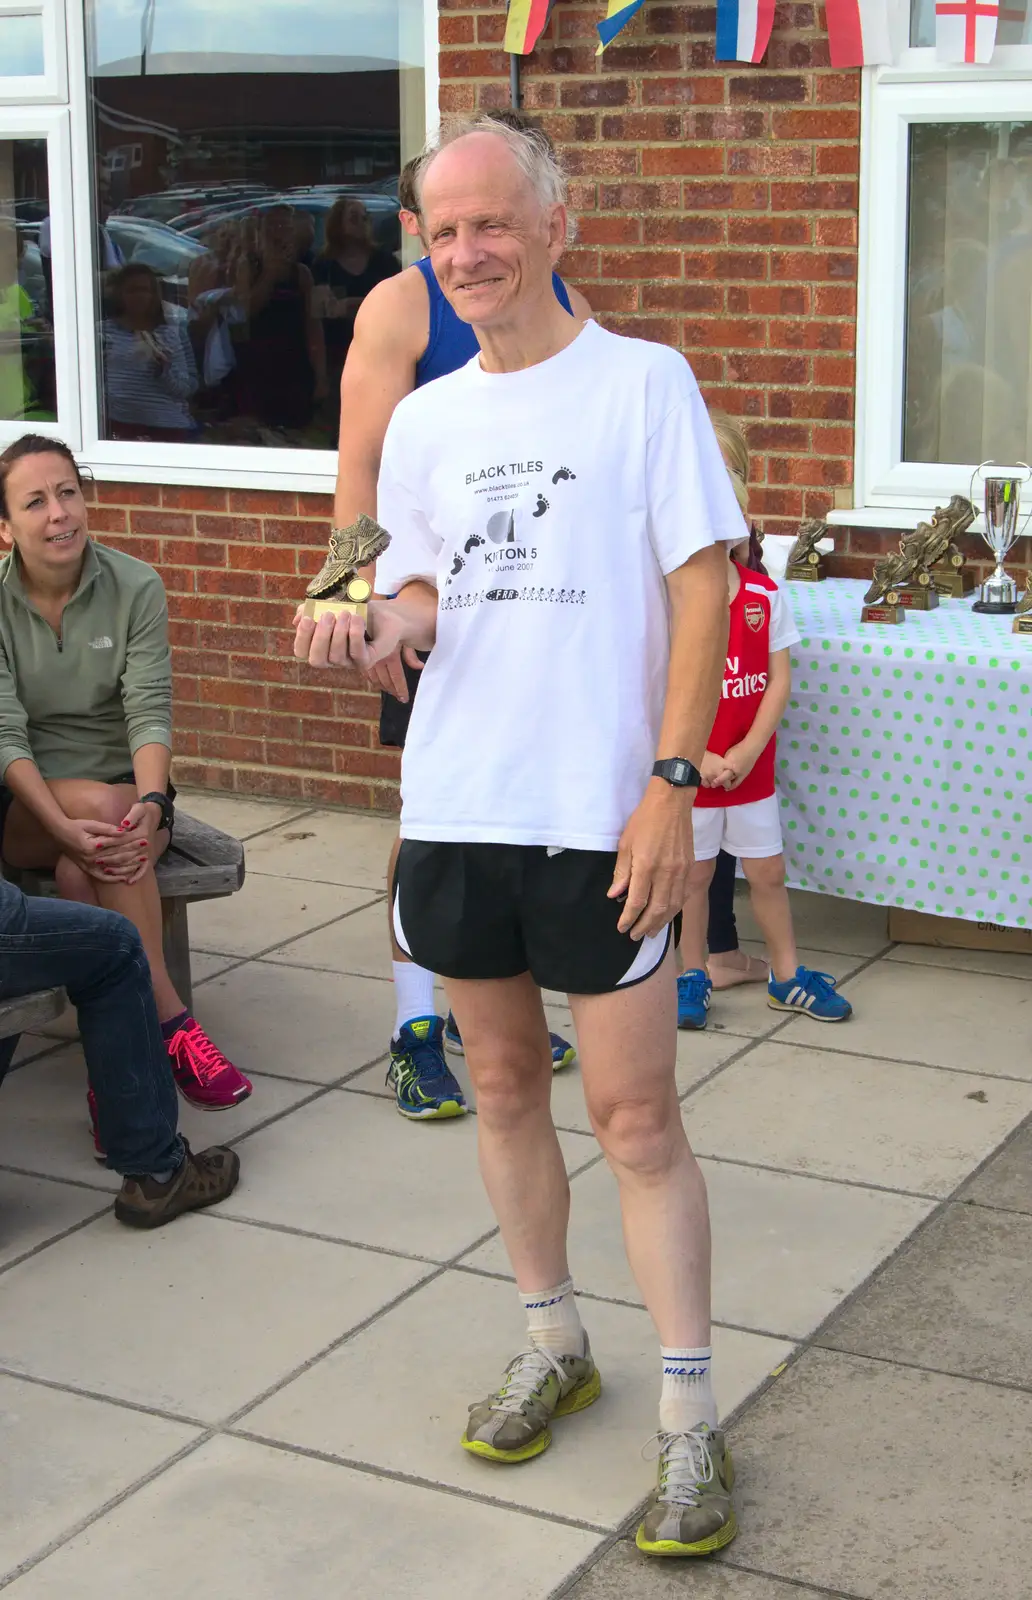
(524, 1374)
(687, 1463)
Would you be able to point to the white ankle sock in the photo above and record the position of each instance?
(687, 1395)
(553, 1320)
(413, 993)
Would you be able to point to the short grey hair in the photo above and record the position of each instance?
(530, 147)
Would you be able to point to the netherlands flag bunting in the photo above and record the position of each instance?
(617, 17)
(527, 19)
(743, 29)
(865, 33)
(965, 30)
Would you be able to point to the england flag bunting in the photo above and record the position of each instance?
(965, 30)
(743, 29)
(867, 33)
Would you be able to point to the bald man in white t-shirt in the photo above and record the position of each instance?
(558, 510)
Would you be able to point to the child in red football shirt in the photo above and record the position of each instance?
(737, 809)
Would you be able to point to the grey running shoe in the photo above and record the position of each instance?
(690, 1513)
(513, 1423)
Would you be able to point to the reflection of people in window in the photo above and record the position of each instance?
(349, 266)
(25, 343)
(149, 370)
(281, 355)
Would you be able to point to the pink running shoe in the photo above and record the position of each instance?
(99, 1153)
(204, 1077)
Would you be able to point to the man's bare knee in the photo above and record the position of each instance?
(511, 1081)
(642, 1135)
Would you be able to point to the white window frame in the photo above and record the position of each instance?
(43, 122)
(888, 489)
(51, 86)
(71, 188)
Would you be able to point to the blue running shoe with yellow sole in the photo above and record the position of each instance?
(424, 1087)
(693, 997)
(563, 1053)
(813, 994)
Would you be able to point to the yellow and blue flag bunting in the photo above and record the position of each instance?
(526, 23)
(618, 15)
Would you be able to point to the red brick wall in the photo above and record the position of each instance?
(717, 210)
(247, 716)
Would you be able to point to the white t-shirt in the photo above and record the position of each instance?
(783, 630)
(546, 506)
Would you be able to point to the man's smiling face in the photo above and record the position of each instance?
(493, 243)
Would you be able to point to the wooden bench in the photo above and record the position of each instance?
(202, 863)
(30, 1011)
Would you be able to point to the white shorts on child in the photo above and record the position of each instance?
(749, 832)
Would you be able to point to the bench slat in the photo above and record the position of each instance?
(30, 1011)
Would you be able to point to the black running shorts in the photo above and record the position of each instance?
(394, 713)
(498, 910)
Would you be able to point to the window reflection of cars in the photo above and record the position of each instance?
(151, 244)
(318, 203)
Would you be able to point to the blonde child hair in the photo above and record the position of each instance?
(735, 451)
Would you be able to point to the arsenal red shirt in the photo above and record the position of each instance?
(761, 623)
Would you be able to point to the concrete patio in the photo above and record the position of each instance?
(266, 1398)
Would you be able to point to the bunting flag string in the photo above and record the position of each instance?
(965, 30)
(743, 29)
(526, 23)
(618, 15)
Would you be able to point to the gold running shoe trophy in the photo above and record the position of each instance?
(338, 588)
(882, 600)
(805, 563)
(1023, 619)
(945, 560)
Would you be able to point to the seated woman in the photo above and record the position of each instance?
(85, 727)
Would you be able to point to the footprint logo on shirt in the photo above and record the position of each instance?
(562, 476)
(457, 568)
(472, 542)
(541, 507)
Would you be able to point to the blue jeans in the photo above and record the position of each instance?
(98, 958)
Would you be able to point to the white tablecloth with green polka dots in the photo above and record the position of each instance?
(904, 760)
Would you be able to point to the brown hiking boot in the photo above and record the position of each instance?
(202, 1180)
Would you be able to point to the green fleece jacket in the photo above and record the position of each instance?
(81, 705)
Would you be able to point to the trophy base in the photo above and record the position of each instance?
(884, 613)
(918, 597)
(314, 609)
(996, 608)
(805, 574)
(1023, 624)
(951, 583)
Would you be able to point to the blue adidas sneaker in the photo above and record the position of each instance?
(563, 1053)
(812, 993)
(693, 997)
(424, 1086)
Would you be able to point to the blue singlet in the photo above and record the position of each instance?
(452, 342)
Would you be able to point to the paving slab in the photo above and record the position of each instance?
(44, 1124)
(593, 1471)
(999, 963)
(196, 1319)
(258, 1524)
(359, 944)
(241, 815)
(843, 1116)
(33, 1210)
(957, 1299)
(824, 922)
(786, 1249)
(293, 1023)
(1006, 1180)
(967, 1020)
(623, 1573)
(328, 847)
(874, 1480)
(268, 911)
(64, 1457)
(348, 1166)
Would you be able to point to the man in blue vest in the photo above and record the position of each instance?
(406, 335)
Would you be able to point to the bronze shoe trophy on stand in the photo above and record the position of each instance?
(945, 561)
(337, 588)
(882, 600)
(805, 563)
(1023, 619)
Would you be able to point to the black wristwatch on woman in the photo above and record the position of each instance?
(168, 810)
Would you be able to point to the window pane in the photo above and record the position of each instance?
(28, 387)
(1014, 26)
(969, 292)
(246, 161)
(21, 47)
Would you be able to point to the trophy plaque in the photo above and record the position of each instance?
(1023, 619)
(338, 588)
(805, 563)
(998, 595)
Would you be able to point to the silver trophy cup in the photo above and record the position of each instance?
(999, 593)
